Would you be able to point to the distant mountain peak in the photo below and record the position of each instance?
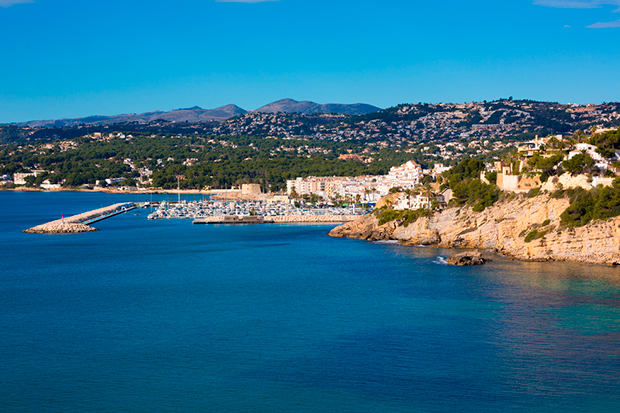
(307, 107)
(192, 108)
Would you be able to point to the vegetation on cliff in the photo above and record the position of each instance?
(386, 214)
(467, 188)
(597, 203)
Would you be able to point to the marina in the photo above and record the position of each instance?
(224, 212)
(206, 212)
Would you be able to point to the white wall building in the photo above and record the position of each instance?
(405, 201)
(369, 188)
(599, 161)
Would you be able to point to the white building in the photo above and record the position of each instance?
(20, 178)
(405, 201)
(599, 161)
(369, 188)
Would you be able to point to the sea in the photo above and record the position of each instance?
(166, 316)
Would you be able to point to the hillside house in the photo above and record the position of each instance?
(599, 161)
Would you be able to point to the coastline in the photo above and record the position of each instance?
(505, 228)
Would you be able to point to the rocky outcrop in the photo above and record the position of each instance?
(367, 228)
(466, 258)
(522, 228)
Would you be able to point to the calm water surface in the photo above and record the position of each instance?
(164, 316)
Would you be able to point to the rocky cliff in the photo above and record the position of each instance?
(522, 228)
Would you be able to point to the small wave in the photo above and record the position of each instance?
(440, 261)
(391, 241)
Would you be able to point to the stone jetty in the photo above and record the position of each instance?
(75, 224)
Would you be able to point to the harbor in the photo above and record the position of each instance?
(206, 212)
(252, 212)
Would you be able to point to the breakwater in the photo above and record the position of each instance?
(80, 223)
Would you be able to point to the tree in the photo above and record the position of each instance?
(578, 163)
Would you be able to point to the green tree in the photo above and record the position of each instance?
(578, 163)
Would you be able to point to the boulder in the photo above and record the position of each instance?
(466, 258)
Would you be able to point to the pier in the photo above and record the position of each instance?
(81, 222)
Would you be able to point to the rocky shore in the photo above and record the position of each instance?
(522, 228)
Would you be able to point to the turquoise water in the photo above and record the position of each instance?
(164, 316)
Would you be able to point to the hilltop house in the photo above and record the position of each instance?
(599, 161)
(534, 146)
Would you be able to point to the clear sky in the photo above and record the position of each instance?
(74, 58)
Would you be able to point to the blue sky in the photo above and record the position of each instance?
(73, 58)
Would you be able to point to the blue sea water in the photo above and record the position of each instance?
(165, 316)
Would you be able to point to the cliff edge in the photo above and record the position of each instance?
(523, 228)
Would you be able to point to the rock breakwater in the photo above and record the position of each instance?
(74, 224)
(60, 228)
(522, 228)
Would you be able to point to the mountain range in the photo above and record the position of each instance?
(197, 114)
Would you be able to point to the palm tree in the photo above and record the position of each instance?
(579, 135)
(409, 192)
(428, 193)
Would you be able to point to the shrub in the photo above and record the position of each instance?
(531, 236)
(535, 235)
(557, 194)
(532, 192)
(406, 216)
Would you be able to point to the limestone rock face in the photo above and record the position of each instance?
(367, 228)
(503, 228)
(466, 258)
